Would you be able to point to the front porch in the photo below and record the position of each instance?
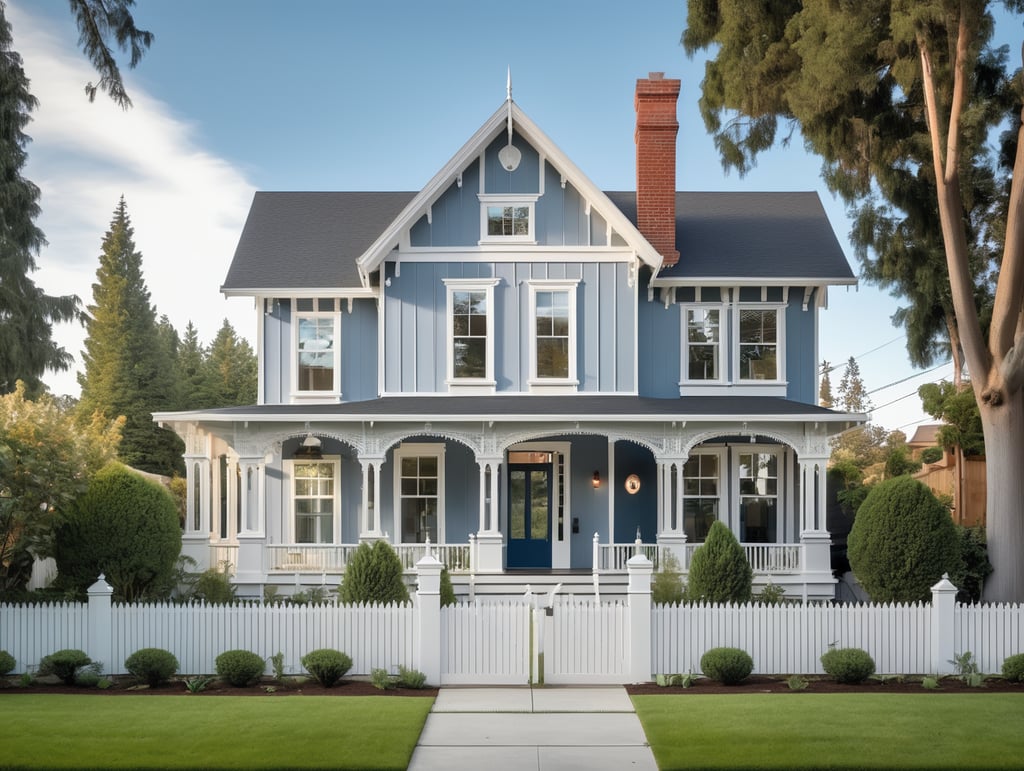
(801, 569)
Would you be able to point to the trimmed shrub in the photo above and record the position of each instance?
(64, 664)
(327, 666)
(381, 679)
(447, 590)
(728, 666)
(719, 571)
(152, 666)
(667, 588)
(123, 526)
(902, 541)
(848, 665)
(411, 678)
(1013, 668)
(931, 454)
(7, 663)
(975, 566)
(240, 668)
(374, 574)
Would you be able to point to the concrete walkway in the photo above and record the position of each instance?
(554, 728)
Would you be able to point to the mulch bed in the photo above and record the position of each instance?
(125, 686)
(765, 684)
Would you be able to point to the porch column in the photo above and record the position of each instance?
(489, 539)
(195, 542)
(814, 535)
(369, 525)
(252, 534)
(671, 534)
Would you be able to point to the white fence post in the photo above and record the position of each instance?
(428, 616)
(101, 643)
(943, 610)
(640, 569)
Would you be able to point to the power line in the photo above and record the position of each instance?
(910, 377)
(861, 356)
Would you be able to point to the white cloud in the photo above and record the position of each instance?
(187, 206)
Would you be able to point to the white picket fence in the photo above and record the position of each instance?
(576, 640)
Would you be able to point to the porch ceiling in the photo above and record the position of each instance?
(523, 407)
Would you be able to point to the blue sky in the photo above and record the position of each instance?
(242, 95)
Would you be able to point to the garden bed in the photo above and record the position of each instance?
(823, 684)
(123, 685)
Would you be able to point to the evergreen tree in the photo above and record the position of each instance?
(229, 377)
(27, 313)
(128, 369)
(190, 359)
(825, 390)
(853, 396)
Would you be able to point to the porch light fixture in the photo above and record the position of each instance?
(597, 479)
(309, 449)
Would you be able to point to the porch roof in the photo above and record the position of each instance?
(527, 407)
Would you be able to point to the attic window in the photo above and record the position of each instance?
(507, 218)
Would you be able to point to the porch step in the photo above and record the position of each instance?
(514, 584)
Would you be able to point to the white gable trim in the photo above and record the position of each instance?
(393, 236)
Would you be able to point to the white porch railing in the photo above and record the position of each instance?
(764, 558)
(332, 558)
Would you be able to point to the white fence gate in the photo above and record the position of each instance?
(583, 641)
(485, 643)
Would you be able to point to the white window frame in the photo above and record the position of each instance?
(418, 450)
(289, 470)
(568, 384)
(780, 342)
(487, 383)
(724, 513)
(298, 395)
(489, 200)
(780, 488)
(723, 338)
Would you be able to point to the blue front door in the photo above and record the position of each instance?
(529, 515)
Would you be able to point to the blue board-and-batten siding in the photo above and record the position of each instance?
(416, 336)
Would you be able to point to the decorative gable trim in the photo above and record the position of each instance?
(394, 236)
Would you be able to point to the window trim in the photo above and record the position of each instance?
(722, 483)
(723, 337)
(535, 382)
(486, 384)
(289, 471)
(528, 200)
(780, 342)
(780, 489)
(301, 395)
(418, 450)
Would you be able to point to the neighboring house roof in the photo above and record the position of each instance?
(527, 407)
(724, 236)
(721, 237)
(925, 436)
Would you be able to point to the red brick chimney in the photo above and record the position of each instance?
(656, 131)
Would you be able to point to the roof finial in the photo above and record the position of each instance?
(508, 85)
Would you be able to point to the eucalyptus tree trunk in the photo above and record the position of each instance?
(1004, 459)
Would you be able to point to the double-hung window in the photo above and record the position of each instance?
(317, 360)
(471, 333)
(315, 500)
(701, 494)
(553, 335)
(758, 337)
(758, 496)
(703, 341)
(419, 491)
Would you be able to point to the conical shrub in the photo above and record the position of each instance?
(719, 571)
(374, 574)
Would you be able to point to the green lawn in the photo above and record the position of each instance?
(57, 731)
(836, 731)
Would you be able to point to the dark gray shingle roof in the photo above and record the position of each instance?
(750, 235)
(311, 240)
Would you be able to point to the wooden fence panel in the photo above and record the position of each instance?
(485, 643)
(29, 632)
(586, 642)
(990, 632)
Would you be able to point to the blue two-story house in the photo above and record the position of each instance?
(526, 371)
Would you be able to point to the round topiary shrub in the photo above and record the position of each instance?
(7, 663)
(1013, 668)
(125, 527)
(64, 664)
(848, 665)
(374, 574)
(327, 666)
(240, 668)
(902, 541)
(728, 666)
(152, 666)
(719, 571)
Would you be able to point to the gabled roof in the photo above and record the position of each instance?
(308, 240)
(527, 129)
(778, 237)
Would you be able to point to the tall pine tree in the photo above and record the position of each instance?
(27, 314)
(230, 371)
(128, 363)
(825, 390)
